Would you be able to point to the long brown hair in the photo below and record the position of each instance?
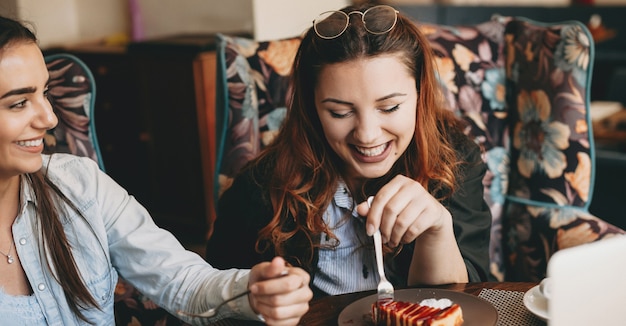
(61, 263)
(306, 170)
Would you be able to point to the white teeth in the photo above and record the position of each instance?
(30, 143)
(373, 151)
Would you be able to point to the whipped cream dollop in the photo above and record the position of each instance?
(437, 303)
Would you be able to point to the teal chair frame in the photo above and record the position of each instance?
(72, 93)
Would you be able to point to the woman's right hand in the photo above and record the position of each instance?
(279, 293)
(403, 210)
(406, 212)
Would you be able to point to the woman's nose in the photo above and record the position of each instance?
(46, 117)
(368, 128)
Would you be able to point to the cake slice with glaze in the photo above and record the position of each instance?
(400, 313)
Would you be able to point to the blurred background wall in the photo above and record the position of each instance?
(63, 22)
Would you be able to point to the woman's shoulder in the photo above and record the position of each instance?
(260, 169)
(251, 180)
(466, 147)
(67, 170)
(60, 163)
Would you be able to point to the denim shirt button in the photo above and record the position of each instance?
(22, 241)
(41, 286)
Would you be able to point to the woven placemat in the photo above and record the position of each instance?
(510, 307)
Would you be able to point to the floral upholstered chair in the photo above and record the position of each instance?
(72, 92)
(551, 181)
(523, 89)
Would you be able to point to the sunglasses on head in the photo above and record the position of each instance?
(376, 20)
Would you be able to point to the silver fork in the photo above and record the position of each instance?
(213, 311)
(385, 289)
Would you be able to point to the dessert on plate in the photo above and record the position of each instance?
(429, 312)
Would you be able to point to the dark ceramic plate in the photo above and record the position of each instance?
(476, 311)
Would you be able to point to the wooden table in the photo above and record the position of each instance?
(325, 311)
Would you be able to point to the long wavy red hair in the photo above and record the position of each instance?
(306, 170)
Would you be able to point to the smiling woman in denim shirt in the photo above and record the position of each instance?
(67, 229)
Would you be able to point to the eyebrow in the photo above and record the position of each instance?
(18, 91)
(386, 97)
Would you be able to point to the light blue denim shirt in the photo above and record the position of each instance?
(117, 236)
(20, 310)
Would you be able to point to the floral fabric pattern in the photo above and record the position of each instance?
(256, 77)
(470, 65)
(134, 309)
(547, 76)
(71, 93)
(539, 140)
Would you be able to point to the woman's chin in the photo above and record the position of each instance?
(370, 172)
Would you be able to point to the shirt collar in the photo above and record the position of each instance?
(26, 194)
(343, 198)
(26, 190)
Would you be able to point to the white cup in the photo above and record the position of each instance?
(545, 287)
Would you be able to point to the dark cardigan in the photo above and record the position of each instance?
(245, 208)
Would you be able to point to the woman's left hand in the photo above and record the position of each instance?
(403, 210)
(279, 293)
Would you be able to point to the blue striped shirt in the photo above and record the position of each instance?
(349, 264)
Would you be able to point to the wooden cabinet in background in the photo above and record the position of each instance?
(117, 116)
(167, 103)
(205, 66)
(149, 96)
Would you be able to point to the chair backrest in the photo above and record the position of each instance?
(523, 87)
(471, 71)
(72, 93)
(548, 71)
(252, 81)
(548, 84)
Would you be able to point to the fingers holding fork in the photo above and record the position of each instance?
(279, 293)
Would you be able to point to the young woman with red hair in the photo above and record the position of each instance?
(366, 118)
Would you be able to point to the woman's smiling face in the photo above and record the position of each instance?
(25, 112)
(367, 108)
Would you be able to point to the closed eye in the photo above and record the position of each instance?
(338, 115)
(392, 109)
(342, 115)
